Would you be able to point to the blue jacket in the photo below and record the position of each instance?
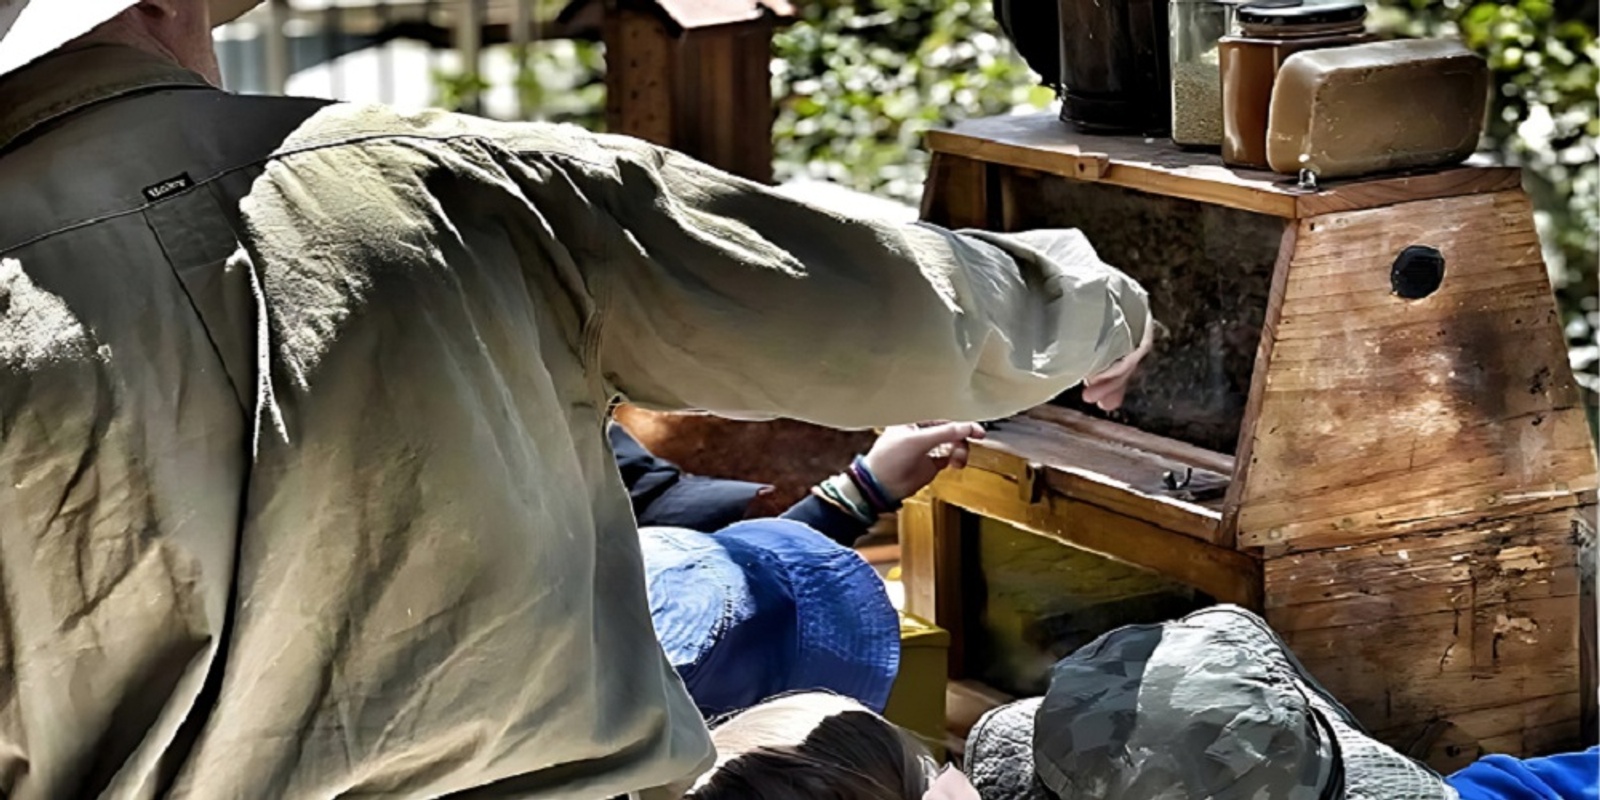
(1569, 776)
(664, 495)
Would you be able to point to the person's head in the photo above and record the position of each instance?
(814, 746)
(177, 30)
(766, 607)
(1210, 705)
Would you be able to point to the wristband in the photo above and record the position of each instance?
(880, 497)
(841, 491)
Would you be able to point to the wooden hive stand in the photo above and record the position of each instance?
(1385, 454)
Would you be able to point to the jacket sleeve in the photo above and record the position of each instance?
(706, 291)
(726, 296)
(826, 520)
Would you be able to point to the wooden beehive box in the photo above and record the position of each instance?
(692, 75)
(1384, 454)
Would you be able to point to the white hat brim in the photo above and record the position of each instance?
(31, 28)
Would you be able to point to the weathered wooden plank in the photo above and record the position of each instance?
(951, 596)
(918, 572)
(1415, 669)
(1381, 415)
(1518, 558)
(1473, 629)
(1588, 624)
(639, 76)
(1397, 189)
(724, 91)
(1537, 726)
(1043, 143)
(957, 193)
(1228, 575)
(931, 569)
(1245, 458)
(1116, 433)
(1106, 474)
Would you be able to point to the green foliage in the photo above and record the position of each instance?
(556, 80)
(858, 83)
(564, 80)
(458, 90)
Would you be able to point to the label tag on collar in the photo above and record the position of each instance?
(169, 186)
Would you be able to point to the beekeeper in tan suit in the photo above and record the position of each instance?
(304, 487)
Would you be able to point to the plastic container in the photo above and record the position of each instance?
(1197, 27)
(1268, 34)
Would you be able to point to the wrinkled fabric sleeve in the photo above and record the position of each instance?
(722, 295)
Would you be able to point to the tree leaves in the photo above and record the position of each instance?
(857, 85)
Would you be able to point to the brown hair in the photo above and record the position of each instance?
(814, 746)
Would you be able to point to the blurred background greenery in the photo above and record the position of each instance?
(858, 82)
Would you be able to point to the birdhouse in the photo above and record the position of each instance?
(692, 75)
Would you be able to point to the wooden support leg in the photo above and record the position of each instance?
(930, 565)
(961, 193)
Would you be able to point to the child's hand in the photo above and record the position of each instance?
(907, 457)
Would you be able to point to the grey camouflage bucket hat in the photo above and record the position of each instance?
(1211, 706)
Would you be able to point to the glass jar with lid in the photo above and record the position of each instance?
(1197, 27)
(1269, 32)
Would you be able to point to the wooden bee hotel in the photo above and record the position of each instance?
(1359, 421)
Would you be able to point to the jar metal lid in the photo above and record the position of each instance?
(1296, 13)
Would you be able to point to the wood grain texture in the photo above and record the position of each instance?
(1541, 725)
(1478, 629)
(957, 193)
(1380, 416)
(931, 547)
(1588, 625)
(1442, 666)
(1416, 476)
(723, 111)
(1510, 560)
(1117, 477)
(1043, 143)
(1225, 574)
(1244, 458)
(639, 76)
(1105, 430)
(918, 574)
